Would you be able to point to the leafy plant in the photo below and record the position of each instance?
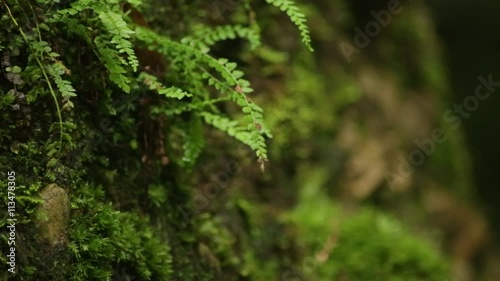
(296, 16)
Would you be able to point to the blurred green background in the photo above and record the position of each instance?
(469, 32)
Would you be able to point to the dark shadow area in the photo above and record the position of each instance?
(469, 33)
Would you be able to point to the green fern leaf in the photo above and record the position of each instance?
(228, 83)
(248, 136)
(118, 31)
(204, 37)
(297, 17)
(118, 28)
(152, 82)
(65, 88)
(111, 60)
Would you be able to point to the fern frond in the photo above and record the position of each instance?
(252, 138)
(177, 109)
(205, 37)
(113, 62)
(152, 83)
(64, 86)
(173, 92)
(231, 127)
(238, 92)
(297, 17)
(120, 33)
(232, 85)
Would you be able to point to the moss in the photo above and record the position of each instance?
(393, 253)
(53, 215)
(104, 242)
(366, 244)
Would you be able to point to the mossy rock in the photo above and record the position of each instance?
(52, 217)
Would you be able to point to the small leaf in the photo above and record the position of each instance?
(52, 162)
(16, 69)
